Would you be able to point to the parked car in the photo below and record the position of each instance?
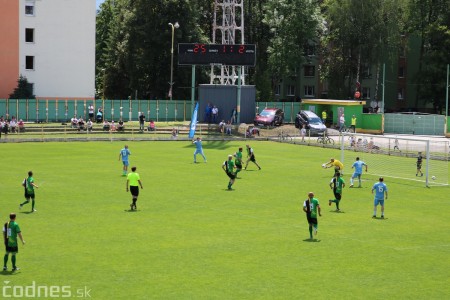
(269, 116)
(311, 121)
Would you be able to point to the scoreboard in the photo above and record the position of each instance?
(207, 54)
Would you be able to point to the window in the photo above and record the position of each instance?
(401, 72)
(401, 94)
(290, 90)
(29, 8)
(277, 89)
(309, 91)
(402, 51)
(309, 71)
(31, 87)
(366, 93)
(29, 35)
(29, 62)
(309, 50)
(366, 71)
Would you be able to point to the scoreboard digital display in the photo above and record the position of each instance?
(207, 54)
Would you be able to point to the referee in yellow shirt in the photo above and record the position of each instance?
(133, 183)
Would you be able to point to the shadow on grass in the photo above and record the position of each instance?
(337, 211)
(312, 240)
(379, 218)
(27, 212)
(9, 273)
(131, 210)
(221, 145)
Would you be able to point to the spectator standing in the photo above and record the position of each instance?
(353, 124)
(324, 116)
(303, 132)
(215, 113)
(141, 121)
(91, 111)
(233, 115)
(341, 122)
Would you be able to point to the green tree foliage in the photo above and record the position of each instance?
(360, 33)
(137, 42)
(24, 89)
(293, 24)
(430, 19)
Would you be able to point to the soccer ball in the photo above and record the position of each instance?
(433, 177)
(323, 166)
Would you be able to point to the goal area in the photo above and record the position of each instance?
(397, 156)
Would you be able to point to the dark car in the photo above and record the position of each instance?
(311, 121)
(269, 116)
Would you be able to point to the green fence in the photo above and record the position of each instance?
(34, 110)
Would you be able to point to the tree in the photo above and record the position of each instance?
(430, 20)
(359, 33)
(24, 89)
(293, 25)
(136, 49)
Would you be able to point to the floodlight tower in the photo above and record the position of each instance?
(228, 28)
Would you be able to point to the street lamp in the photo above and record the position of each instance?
(173, 26)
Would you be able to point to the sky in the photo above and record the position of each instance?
(98, 2)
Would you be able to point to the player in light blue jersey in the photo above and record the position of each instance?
(358, 166)
(198, 149)
(381, 193)
(124, 153)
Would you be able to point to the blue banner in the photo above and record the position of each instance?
(193, 122)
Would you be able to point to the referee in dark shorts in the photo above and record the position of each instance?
(133, 182)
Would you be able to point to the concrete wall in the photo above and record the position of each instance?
(9, 50)
(64, 48)
(225, 98)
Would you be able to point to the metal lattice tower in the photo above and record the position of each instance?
(228, 28)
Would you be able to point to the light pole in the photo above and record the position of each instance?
(173, 26)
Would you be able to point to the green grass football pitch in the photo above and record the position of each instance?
(193, 239)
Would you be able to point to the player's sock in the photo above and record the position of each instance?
(374, 212)
(32, 205)
(337, 204)
(22, 204)
(13, 260)
(310, 232)
(351, 180)
(5, 260)
(359, 180)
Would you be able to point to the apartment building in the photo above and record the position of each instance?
(52, 44)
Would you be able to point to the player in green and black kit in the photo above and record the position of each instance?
(228, 167)
(29, 186)
(337, 184)
(10, 232)
(238, 160)
(311, 207)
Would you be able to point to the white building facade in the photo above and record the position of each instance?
(56, 47)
